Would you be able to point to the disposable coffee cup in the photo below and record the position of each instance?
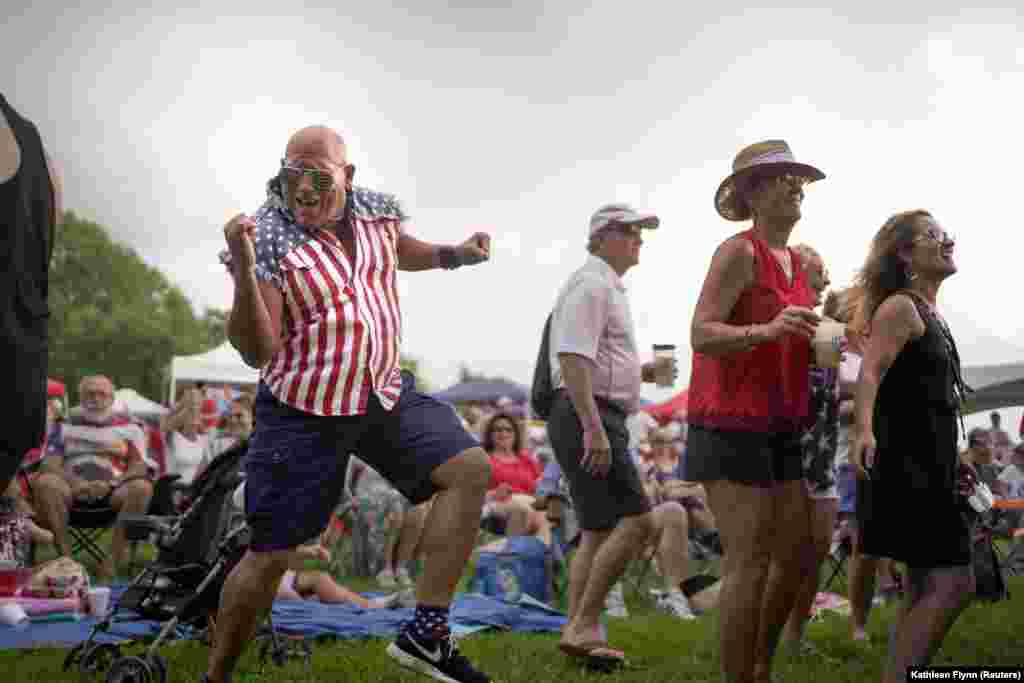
(828, 343)
(12, 614)
(664, 364)
(98, 600)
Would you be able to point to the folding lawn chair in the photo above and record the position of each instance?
(835, 564)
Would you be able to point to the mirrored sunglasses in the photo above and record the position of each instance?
(291, 174)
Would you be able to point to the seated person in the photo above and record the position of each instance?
(508, 509)
(1014, 472)
(677, 506)
(979, 457)
(552, 496)
(394, 526)
(18, 531)
(1011, 479)
(95, 458)
(662, 474)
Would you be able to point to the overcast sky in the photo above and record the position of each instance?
(521, 121)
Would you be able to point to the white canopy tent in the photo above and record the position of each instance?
(132, 402)
(222, 365)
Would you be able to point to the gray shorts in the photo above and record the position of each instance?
(600, 502)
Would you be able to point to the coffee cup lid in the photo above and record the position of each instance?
(664, 347)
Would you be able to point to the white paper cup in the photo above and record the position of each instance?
(98, 600)
(827, 343)
(12, 614)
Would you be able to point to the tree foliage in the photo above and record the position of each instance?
(114, 314)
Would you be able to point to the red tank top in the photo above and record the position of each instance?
(767, 388)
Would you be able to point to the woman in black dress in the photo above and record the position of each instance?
(908, 412)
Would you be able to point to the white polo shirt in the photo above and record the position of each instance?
(592, 319)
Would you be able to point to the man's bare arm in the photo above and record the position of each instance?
(254, 323)
(414, 255)
(576, 372)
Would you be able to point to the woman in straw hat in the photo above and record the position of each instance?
(907, 410)
(748, 403)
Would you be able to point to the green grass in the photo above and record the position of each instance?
(660, 649)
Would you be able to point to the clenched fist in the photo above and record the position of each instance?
(476, 249)
(238, 233)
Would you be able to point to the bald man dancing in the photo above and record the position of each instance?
(316, 309)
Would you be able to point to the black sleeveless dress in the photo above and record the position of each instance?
(909, 508)
(26, 243)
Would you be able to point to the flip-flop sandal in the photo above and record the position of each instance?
(593, 651)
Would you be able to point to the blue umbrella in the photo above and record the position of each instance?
(487, 391)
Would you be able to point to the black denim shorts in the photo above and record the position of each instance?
(752, 458)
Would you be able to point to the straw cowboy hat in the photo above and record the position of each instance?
(771, 157)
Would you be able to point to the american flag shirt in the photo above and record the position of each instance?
(341, 324)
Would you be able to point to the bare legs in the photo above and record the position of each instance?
(53, 501)
(410, 535)
(129, 498)
(451, 526)
(933, 600)
(325, 589)
(764, 530)
(671, 527)
(52, 497)
(450, 532)
(822, 519)
(597, 565)
(861, 588)
(247, 595)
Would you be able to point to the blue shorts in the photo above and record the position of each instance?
(847, 483)
(296, 463)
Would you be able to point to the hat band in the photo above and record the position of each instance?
(771, 158)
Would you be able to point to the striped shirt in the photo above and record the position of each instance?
(98, 450)
(342, 324)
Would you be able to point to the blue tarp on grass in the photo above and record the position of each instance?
(470, 613)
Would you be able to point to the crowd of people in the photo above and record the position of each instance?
(783, 436)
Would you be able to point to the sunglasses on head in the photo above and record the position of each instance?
(292, 174)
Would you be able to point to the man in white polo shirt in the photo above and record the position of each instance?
(597, 371)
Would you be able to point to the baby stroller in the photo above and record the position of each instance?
(181, 588)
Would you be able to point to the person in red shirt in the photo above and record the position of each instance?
(748, 403)
(508, 509)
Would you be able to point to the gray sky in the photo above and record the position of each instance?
(521, 121)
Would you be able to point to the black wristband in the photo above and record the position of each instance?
(448, 258)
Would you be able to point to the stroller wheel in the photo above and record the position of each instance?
(158, 665)
(130, 670)
(98, 658)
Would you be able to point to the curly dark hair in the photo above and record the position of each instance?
(488, 433)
